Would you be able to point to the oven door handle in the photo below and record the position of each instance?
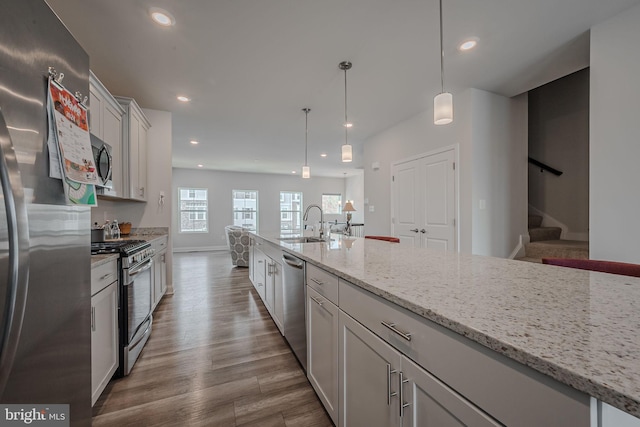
(142, 267)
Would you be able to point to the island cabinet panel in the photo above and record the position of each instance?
(259, 271)
(507, 390)
(428, 402)
(368, 373)
(322, 363)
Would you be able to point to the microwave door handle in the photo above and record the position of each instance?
(18, 242)
(104, 152)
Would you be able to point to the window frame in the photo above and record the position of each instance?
(243, 212)
(290, 214)
(327, 211)
(195, 213)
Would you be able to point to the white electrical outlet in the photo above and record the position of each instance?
(372, 208)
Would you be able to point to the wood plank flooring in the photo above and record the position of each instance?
(215, 358)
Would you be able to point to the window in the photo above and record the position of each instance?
(193, 210)
(290, 212)
(245, 208)
(332, 204)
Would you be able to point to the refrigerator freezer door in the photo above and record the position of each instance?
(52, 361)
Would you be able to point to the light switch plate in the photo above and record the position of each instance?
(372, 208)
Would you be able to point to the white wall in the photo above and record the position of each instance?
(220, 185)
(615, 139)
(559, 137)
(159, 172)
(490, 131)
(354, 190)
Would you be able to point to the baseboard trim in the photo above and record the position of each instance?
(519, 250)
(201, 249)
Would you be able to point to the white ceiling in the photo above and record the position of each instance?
(250, 66)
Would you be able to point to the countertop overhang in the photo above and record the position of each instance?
(579, 327)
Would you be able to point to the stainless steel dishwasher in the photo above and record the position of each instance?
(295, 306)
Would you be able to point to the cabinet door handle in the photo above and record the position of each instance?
(141, 191)
(392, 327)
(415, 230)
(403, 404)
(319, 302)
(389, 393)
(93, 319)
(105, 276)
(316, 281)
(423, 231)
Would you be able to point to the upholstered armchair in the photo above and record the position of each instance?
(238, 242)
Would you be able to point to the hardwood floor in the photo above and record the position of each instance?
(215, 358)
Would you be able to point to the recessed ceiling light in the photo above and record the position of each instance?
(183, 98)
(348, 125)
(323, 155)
(200, 166)
(194, 142)
(162, 17)
(467, 45)
(293, 171)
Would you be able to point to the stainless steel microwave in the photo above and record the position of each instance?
(104, 161)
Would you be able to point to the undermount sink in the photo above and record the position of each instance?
(302, 240)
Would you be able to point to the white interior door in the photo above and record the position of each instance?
(439, 201)
(406, 206)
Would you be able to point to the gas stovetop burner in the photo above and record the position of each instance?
(124, 247)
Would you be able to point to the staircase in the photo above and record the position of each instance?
(546, 243)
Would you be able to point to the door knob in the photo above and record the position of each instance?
(415, 230)
(423, 231)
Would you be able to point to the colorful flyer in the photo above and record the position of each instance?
(72, 134)
(79, 194)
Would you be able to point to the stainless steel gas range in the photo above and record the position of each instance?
(134, 309)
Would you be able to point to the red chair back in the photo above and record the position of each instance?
(385, 238)
(612, 267)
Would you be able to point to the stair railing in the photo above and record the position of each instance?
(544, 167)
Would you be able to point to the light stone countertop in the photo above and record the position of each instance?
(98, 260)
(154, 234)
(579, 327)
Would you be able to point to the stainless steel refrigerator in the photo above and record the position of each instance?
(45, 301)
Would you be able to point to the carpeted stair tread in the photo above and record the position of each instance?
(558, 249)
(535, 221)
(538, 234)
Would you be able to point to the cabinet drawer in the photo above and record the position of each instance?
(519, 395)
(160, 244)
(103, 275)
(325, 283)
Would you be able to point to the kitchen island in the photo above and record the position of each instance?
(580, 328)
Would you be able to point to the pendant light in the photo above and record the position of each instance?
(347, 150)
(306, 172)
(443, 102)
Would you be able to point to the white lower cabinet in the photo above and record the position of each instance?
(368, 373)
(104, 338)
(322, 362)
(381, 387)
(265, 272)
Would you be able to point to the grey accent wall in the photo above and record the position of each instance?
(615, 138)
(559, 137)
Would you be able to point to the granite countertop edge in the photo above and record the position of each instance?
(564, 374)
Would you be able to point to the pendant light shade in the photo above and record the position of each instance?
(443, 102)
(443, 108)
(347, 151)
(306, 171)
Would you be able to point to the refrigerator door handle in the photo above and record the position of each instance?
(18, 265)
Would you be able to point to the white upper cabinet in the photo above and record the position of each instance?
(105, 122)
(135, 129)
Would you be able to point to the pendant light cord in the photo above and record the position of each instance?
(441, 52)
(346, 128)
(306, 133)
